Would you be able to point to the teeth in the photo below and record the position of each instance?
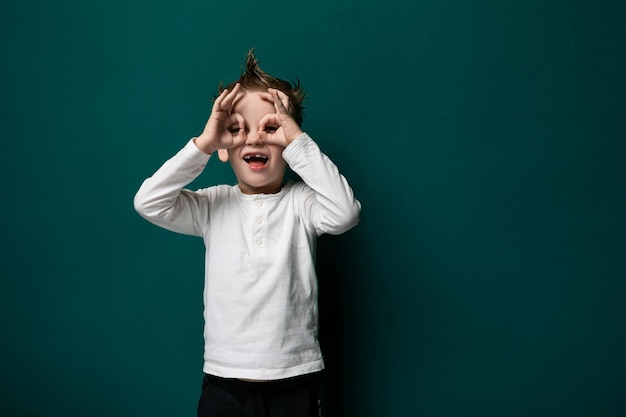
(247, 157)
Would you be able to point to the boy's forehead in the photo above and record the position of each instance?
(251, 101)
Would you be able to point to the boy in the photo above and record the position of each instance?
(262, 355)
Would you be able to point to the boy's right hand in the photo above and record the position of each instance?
(221, 130)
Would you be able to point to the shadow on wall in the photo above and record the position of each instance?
(331, 273)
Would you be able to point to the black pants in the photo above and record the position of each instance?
(292, 397)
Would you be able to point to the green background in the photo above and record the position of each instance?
(485, 139)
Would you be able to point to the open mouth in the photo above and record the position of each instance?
(255, 161)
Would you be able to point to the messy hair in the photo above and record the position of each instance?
(254, 78)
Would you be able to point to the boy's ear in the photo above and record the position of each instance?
(222, 154)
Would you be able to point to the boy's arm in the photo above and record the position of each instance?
(332, 206)
(162, 200)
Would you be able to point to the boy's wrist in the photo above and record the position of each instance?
(295, 137)
(204, 147)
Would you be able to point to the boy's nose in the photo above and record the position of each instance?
(254, 138)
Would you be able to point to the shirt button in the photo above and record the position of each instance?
(258, 220)
(258, 203)
(258, 241)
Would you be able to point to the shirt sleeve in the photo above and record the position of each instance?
(329, 203)
(162, 200)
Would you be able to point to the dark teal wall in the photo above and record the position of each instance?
(486, 141)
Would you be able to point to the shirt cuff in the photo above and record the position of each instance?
(296, 145)
(192, 153)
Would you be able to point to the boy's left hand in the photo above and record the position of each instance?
(286, 128)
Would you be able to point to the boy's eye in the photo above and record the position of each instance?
(234, 130)
(271, 129)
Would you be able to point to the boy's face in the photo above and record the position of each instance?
(258, 166)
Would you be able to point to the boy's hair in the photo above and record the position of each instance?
(254, 78)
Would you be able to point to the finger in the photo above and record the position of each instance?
(237, 125)
(239, 96)
(271, 131)
(229, 99)
(266, 96)
(284, 99)
(280, 98)
(218, 101)
(274, 97)
(269, 122)
(235, 120)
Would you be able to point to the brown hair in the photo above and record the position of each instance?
(254, 78)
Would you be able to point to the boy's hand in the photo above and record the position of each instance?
(278, 128)
(222, 128)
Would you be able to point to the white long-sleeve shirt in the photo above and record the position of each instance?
(260, 295)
